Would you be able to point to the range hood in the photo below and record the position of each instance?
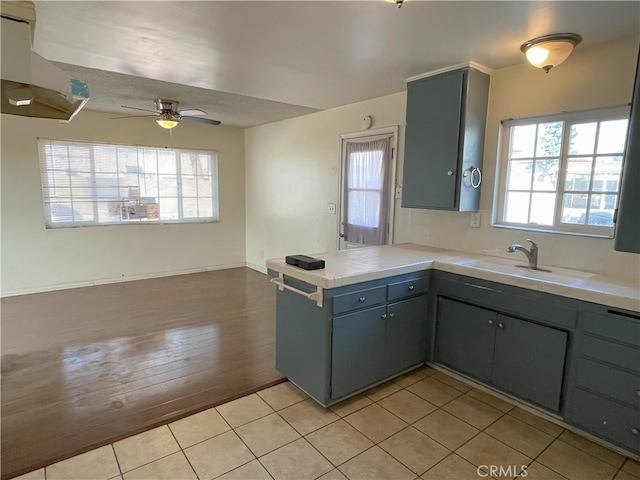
(31, 85)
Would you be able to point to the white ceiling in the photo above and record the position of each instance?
(248, 63)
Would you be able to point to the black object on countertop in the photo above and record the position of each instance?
(305, 262)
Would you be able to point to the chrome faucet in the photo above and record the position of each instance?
(532, 255)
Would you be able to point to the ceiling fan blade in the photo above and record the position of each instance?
(133, 116)
(141, 109)
(201, 120)
(192, 113)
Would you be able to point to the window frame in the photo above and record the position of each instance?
(502, 167)
(96, 196)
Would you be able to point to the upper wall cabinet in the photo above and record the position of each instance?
(628, 219)
(444, 140)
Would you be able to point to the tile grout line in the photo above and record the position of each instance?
(183, 452)
(115, 455)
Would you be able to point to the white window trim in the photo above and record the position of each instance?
(96, 223)
(499, 195)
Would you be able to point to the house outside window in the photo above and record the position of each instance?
(102, 184)
(561, 173)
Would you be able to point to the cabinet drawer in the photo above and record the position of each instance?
(359, 299)
(620, 355)
(621, 326)
(407, 288)
(524, 304)
(609, 381)
(606, 418)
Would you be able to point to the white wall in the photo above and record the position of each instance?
(292, 174)
(292, 167)
(37, 259)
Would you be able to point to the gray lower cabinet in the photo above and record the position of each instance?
(357, 343)
(517, 356)
(363, 334)
(377, 343)
(578, 359)
(604, 395)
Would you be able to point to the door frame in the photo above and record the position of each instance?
(374, 132)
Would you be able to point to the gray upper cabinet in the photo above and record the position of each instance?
(628, 219)
(444, 140)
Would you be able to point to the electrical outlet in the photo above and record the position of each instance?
(475, 219)
(331, 209)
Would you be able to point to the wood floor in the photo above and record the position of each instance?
(88, 366)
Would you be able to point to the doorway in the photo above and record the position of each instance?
(367, 186)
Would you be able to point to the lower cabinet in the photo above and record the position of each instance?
(577, 359)
(405, 334)
(377, 343)
(517, 356)
(604, 396)
(356, 359)
(363, 334)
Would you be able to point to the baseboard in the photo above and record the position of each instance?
(130, 278)
(258, 268)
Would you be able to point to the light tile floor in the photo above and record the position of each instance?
(423, 425)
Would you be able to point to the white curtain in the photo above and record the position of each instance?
(366, 195)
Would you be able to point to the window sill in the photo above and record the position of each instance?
(548, 230)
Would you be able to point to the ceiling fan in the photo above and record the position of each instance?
(168, 116)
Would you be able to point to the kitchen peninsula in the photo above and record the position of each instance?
(564, 342)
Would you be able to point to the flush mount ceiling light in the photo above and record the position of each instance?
(550, 50)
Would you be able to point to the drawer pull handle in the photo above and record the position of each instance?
(500, 325)
(384, 315)
(392, 315)
(635, 431)
(411, 287)
(361, 299)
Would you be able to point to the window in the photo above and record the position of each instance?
(366, 189)
(96, 184)
(561, 173)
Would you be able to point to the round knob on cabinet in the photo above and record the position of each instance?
(391, 315)
(490, 322)
(450, 172)
(361, 299)
(411, 287)
(635, 431)
(383, 316)
(638, 393)
(500, 325)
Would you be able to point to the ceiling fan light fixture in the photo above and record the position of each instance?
(550, 51)
(166, 123)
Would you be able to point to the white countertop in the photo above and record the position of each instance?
(346, 267)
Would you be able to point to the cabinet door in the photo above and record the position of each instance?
(358, 347)
(405, 339)
(432, 140)
(529, 360)
(465, 337)
(628, 221)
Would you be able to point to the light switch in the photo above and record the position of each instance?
(475, 219)
(331, 209)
